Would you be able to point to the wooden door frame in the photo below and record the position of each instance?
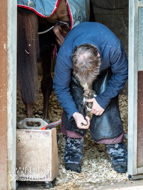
(8, 49)
(135, 66)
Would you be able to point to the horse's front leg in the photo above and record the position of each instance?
(47, 82)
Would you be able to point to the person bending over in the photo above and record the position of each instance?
(91, 59)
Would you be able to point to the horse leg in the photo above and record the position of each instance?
(47, 82)
(29, 108)
(27, 53)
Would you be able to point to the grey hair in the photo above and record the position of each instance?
(86, 63)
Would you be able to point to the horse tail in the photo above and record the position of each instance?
(27, 55)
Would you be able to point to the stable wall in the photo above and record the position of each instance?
(114, 14)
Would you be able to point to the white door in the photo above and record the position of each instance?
(135, 90)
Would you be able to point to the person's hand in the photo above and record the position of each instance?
(80, 121)
(96, 108)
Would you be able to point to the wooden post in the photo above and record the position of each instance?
(8, 42)
(3, 95)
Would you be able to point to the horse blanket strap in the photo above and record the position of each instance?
(106, 126)
(78, 10)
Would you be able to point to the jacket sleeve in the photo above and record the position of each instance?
(61, 81)
(119, 68)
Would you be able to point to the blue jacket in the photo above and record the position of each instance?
(112, 55)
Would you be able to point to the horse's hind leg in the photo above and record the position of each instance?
(27, 46)
(47, 82)
(29, 108)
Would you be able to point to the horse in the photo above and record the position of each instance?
(33, 41)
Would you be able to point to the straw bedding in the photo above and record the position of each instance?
(97, 170)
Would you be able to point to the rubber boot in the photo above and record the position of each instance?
(118, 156)
(73, 154)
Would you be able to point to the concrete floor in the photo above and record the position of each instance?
(128, 185)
